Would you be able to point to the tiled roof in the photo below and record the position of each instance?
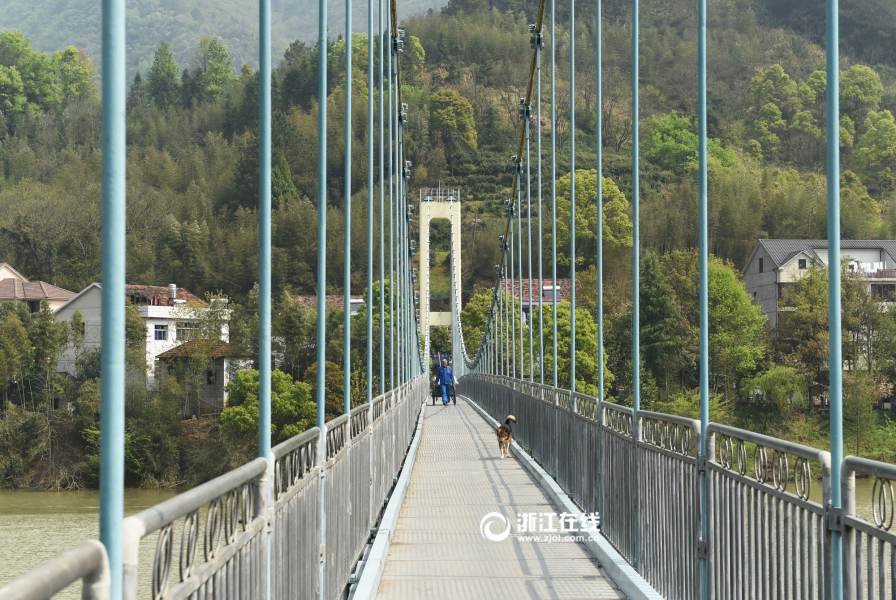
(187, 350)
(15, 289)
(160, 292)
(562, 293)
(781, 251)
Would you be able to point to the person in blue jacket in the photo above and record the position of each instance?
(445, 378)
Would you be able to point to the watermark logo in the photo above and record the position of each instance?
(543, 527)
(494, 518)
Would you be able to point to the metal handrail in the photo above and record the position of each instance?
(234, 499)
(284, 448)
(805, 452)
(87, 563)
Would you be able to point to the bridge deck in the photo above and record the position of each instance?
(438, 550)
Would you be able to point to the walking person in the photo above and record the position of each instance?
(445, 378)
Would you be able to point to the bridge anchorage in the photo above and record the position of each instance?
(402, 500)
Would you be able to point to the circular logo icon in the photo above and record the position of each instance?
(485, 526)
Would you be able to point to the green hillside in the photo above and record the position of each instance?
(54, 25)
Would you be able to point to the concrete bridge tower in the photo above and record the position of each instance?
(440, 203)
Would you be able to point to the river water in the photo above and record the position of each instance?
(36, 526)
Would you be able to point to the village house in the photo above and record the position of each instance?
(774, 265)
(169, 314)
(16, 287)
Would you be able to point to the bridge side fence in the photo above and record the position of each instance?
(212, 541)
(641, 471)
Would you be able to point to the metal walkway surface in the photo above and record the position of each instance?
(438, 550)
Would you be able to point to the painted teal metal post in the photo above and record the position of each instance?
(347, 251)
(264, 251)
(529, 236)
(554, 182)
(394, 286)
(382, 144)
(370, 132)
(572, 196)
(519, 253)
(834, 320)
(511, 300)
(636, 257)
(704, 283)
(538, 47)
(113, 292)
(322, 256)
(600, 236)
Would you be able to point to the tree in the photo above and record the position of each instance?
(36, 70)
(76, 73)
(474, 318)
(802, 334)
(736, 325)
(440, 339)
(450, 113)
(875, 155)
(587, 372)
(672, 145)
(662, 326)
(860, 92)
(292, 407)
(617, 226)
(215, 70)
(162, 82)
(12, 90)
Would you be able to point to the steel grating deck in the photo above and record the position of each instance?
(438, 550)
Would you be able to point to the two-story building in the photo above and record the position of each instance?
(775, 264)
(165, 312)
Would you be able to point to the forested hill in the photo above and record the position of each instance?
(54, 24)
(192, 135)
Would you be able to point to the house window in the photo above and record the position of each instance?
(801, 263)
(161, 333)
(186, 330)
(760, 265)
(209, 377)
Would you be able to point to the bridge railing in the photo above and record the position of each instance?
(766, 537)
(752, 513)
(869, 547)
(86, 563)
(212, 541)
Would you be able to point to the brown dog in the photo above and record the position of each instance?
(505, 436)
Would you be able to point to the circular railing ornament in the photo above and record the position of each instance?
(760, 464)
(214, 522)
(882, 503)
(780, 470)
(161, 566)
(802, 478)
(189, 544)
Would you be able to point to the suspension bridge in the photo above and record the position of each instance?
(397, 498)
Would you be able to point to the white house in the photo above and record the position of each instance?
(164, 310)
(775, 264)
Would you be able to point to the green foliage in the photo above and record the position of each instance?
(451, 113)
(292, 410)
(781, 385)
(162, 84)
(672, 145)
(875, 155)
(617, 225)
(587, 373)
